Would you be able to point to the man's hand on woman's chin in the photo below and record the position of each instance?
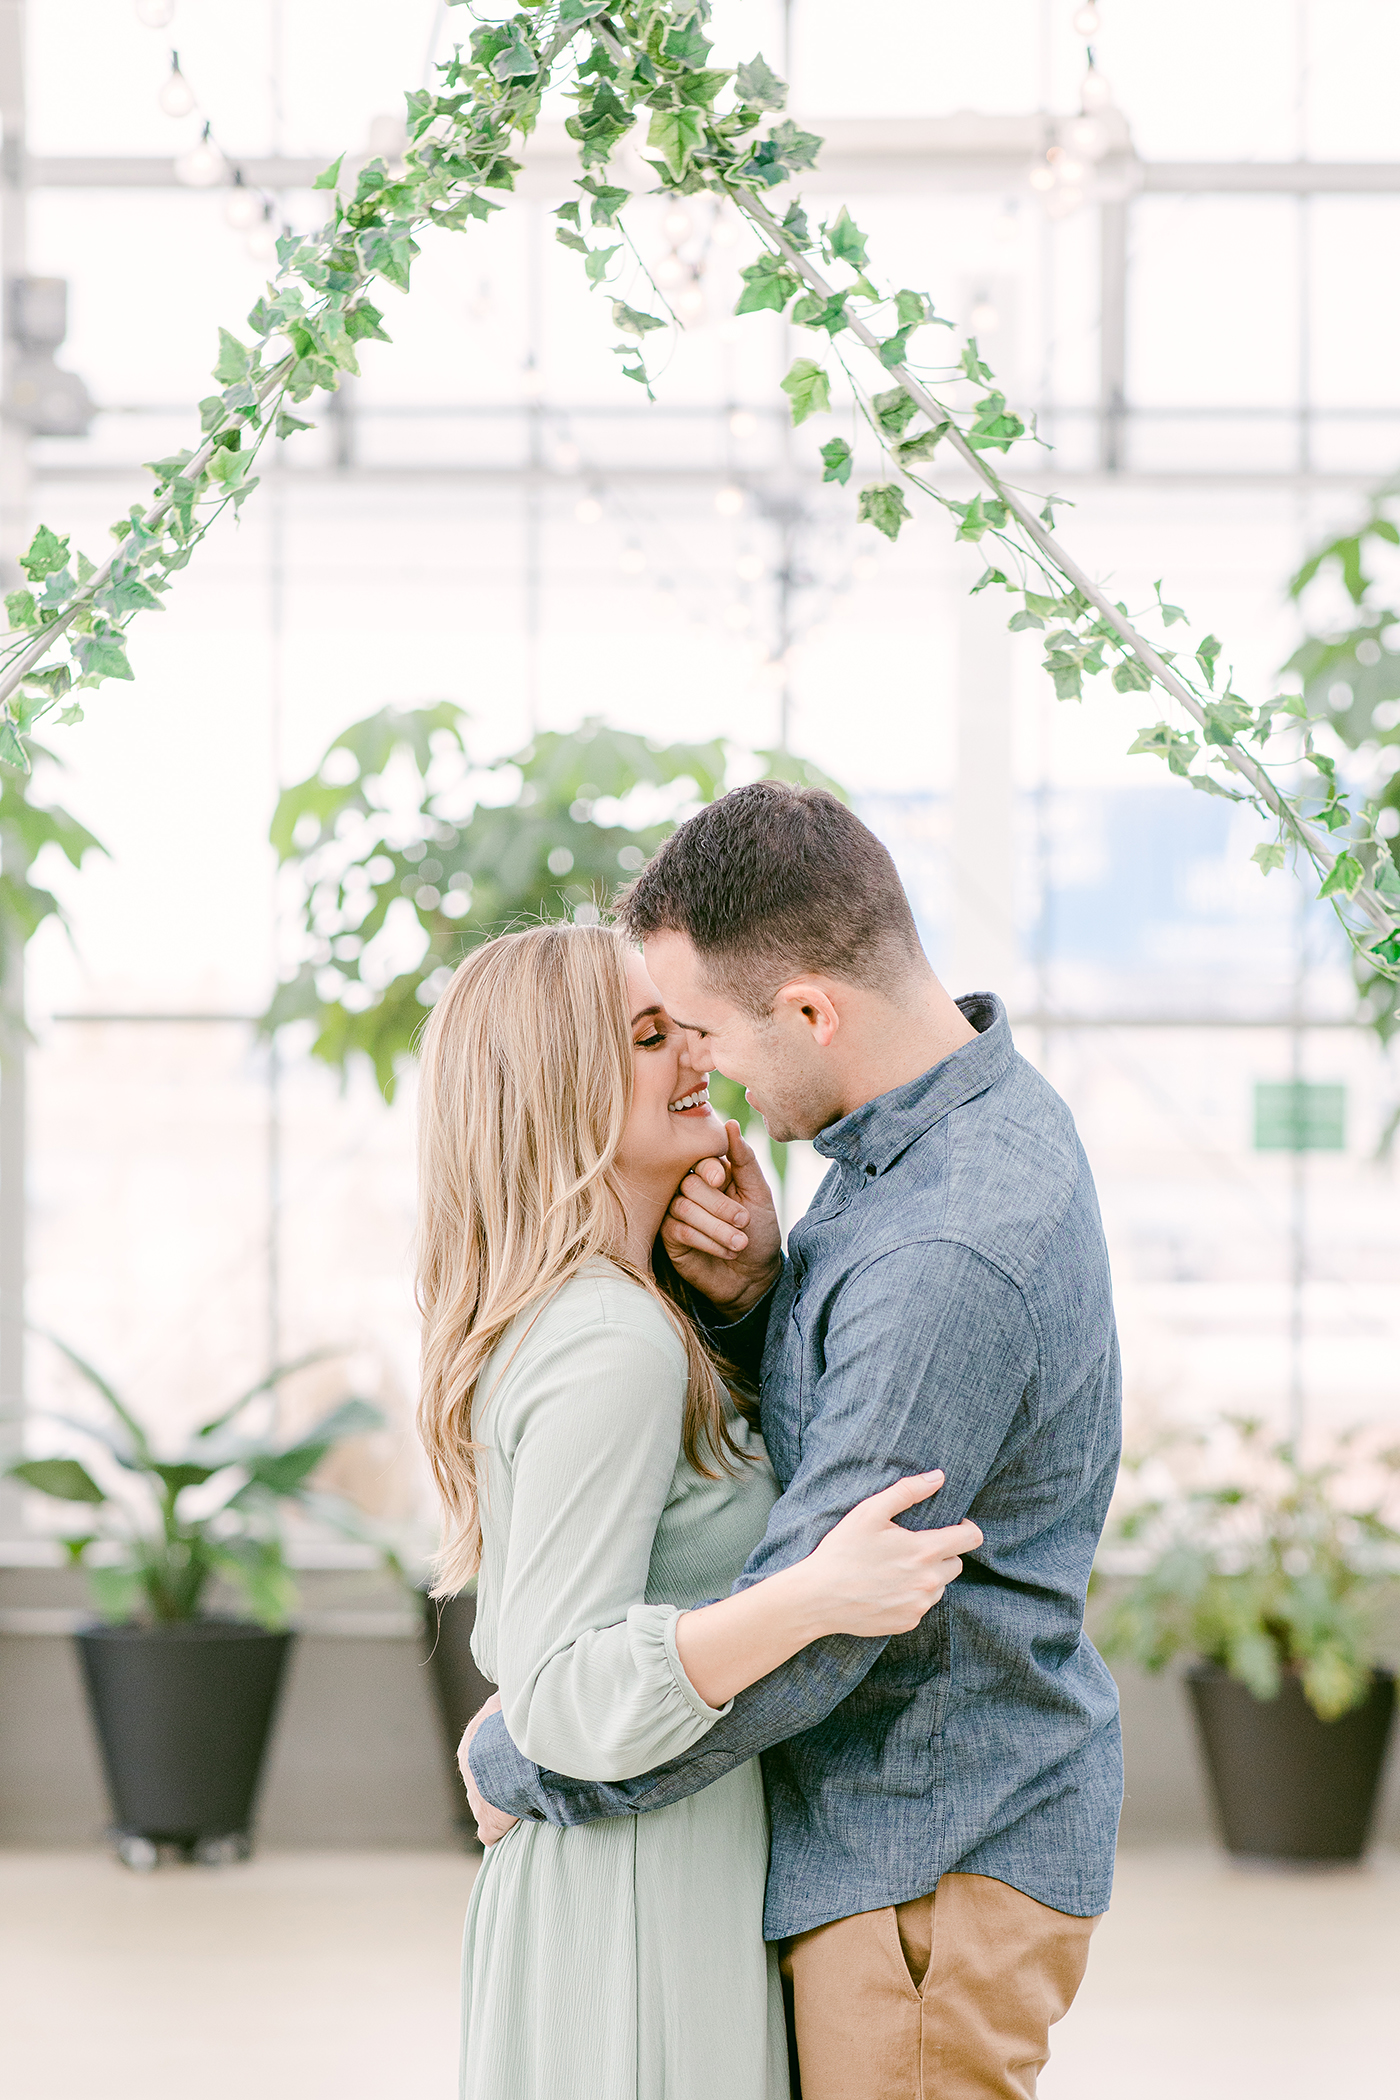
(491, 1823)
(722, 1230)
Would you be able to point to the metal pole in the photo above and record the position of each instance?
(1113, 331)
(14, 533)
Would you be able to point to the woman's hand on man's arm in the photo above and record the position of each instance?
(491, 1823)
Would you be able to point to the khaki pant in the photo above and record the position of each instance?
(950, 1997)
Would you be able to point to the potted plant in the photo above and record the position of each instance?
(182, 1695)
(1272, 1574)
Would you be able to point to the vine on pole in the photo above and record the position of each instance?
(617, 60)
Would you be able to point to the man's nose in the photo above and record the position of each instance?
(696, 1057)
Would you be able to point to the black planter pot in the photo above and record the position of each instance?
(1288, 1786)
(459, 1685)
(183, 1714)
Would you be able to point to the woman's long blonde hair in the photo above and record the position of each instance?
(524, 1094)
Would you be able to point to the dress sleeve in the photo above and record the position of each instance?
(591, 1684)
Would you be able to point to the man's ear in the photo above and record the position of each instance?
(809, 1000)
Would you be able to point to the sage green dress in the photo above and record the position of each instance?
(622, 1959)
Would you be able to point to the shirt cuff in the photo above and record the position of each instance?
(682, 1682)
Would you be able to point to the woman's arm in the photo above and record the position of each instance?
(868, 1576)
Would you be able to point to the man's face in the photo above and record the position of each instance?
(785, 1075)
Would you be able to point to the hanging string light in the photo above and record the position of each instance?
(203, 165)
(1061, 176)
(155, 14)
(245, 207)
(176, 97)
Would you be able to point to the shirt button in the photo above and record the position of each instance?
(870, 1173)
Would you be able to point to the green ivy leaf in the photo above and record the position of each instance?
(768, 285)
(758, 85)
(1207, 784)
(607, 201)
(922, 445)
(982, 514)
(846, 241)
(685, 45)
(234, 359)
(12, 751)
(568, 239)
(994, 427)
(1131, 676)
(882, 505)
(103, 656)
(1271, 856)
(1162, 741)
(912, 310)
(21, 609)
(807, 388)
(816, 312)
(596, 266)
(1020, 621)
(795, 149)
(836, 460)
(1345, 876)
(515, 61)
(1226, 717)
(1205, 657)
(329, 178)
(675, 133)
(628, 318)
(970, 364)
(45, 555)
(893, 410)
(1170, 613)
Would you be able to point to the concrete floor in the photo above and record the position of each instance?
(324, 1976)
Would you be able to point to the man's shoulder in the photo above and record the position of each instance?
(1002, 1175)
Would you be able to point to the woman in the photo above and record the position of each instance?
(594, 1468)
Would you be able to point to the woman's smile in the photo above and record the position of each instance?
(695, 1103)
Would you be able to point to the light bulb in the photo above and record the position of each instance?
(984, 317)
(1086, 20)
(725, 234)
(1006, 226)
(1042, 176)
(1069, 173)
(677, 225)
(588, 510)
(202, 166)
(1095, 92)
(261, 244)
(244, 207)
(566, 455)
(1088, 136)
(729, 501)
(631, 561)
(156, 14)
(749, 567)
(742, 423)
(691, 303)
(176, 97)
(670, 270)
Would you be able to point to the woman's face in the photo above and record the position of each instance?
(672, 1124)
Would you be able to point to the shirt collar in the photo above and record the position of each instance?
(874, 1135)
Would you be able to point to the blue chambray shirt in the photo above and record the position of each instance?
(945, 1302)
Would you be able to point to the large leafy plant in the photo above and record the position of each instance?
(165, 1528)
(397, 820)
(1244, 1556)
(1349, 667)
(708, 129)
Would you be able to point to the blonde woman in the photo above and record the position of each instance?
(597, 1473)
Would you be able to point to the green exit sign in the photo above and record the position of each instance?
(1299, 1117)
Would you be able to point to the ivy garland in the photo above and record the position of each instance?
(619, 58)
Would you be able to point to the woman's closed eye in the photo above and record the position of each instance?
(653, 1041)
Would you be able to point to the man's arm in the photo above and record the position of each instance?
(928, 1355)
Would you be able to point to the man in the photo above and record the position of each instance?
(945, 1803)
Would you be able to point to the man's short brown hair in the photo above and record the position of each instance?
(772, 881)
